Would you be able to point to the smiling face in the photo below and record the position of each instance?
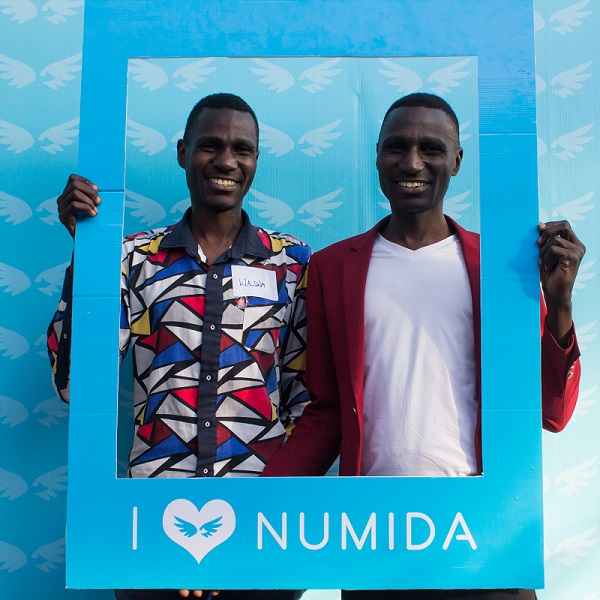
(417, 153)
(219, 157)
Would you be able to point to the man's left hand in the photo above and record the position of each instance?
(561, 253)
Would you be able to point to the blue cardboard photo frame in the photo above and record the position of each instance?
(386, 532)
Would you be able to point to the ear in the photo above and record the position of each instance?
(457, 161)
(181, 153)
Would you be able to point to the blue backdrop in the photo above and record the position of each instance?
(38, 133)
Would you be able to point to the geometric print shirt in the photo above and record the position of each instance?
(218, 376)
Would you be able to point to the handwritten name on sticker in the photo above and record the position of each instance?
(252, 281)
(248, 283)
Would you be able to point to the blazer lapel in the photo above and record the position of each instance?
(355, 269)
(470, 245)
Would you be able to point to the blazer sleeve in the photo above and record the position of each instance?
(561, 373)
(315, 440)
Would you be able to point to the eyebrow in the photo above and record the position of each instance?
(433, 140)
(203, 138)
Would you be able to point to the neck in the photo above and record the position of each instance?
(416, 230)
(215, 232)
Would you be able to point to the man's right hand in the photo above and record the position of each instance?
(79, 196)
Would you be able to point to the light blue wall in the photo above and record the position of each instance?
(40, 66)
(568, 55)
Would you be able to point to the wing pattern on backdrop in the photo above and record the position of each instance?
(310, 141)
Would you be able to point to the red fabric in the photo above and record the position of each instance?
(332, 421)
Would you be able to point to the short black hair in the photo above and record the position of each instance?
(221, 100)
(424, 100)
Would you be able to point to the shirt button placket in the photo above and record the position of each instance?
(207, 392)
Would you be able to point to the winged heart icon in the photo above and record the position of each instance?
(214, 522)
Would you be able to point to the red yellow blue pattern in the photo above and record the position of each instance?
(218, 378)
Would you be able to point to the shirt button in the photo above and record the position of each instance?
(206, 423)
(208, 377)
(354, 410)
(215, 276)
(212, 327)
(205, 471)
(65, 336)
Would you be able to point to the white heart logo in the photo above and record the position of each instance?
(199, 531)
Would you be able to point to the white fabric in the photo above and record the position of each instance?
(420, 406)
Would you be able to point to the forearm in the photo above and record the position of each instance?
(559, 321)
(315, 441)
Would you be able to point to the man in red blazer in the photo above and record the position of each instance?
(412, 282)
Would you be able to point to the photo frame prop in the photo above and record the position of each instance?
(386, 532)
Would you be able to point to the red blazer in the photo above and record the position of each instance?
(332, 422)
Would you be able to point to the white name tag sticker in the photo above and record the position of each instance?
(250, 281)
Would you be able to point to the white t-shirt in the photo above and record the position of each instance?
(420, 405)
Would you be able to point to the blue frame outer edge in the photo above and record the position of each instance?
(114, 32)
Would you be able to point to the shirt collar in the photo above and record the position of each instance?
(247, 242)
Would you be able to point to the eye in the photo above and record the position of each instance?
(432, 149)
(393, 147)
(245, 150)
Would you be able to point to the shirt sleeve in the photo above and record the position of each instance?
(59, 339)
(124, 318)
(59, 330)
(292, 361)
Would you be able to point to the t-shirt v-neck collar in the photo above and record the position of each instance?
(397, 249)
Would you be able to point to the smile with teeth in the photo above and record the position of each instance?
(412, 184)
(223, 182)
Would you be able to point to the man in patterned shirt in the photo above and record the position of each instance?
(214, 311)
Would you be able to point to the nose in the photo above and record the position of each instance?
(411, 161)
(225, 160)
